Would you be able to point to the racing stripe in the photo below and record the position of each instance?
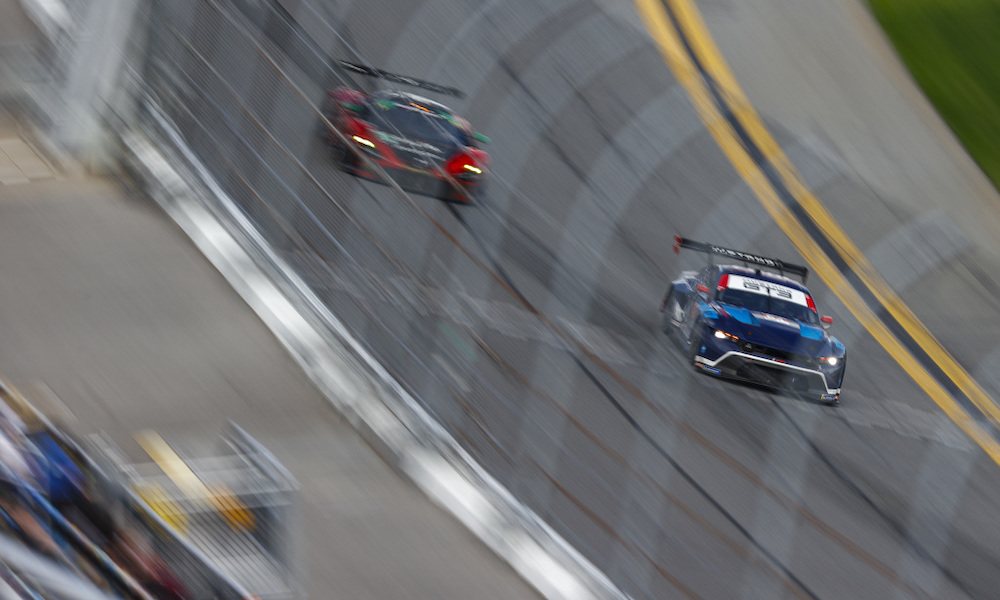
(690, 52)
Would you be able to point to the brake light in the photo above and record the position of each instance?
(363, 141)
(465, 166)
(364, 136)
(723, 281)
(810, 303)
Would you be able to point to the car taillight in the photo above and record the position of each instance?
(363, 137)
(363, 141)
(465, 166)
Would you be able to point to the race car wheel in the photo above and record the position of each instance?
(694, 342)
(347, 159)
(335, 147)
(325, 134)
(480, 194)
(666, 312)
(830, 402)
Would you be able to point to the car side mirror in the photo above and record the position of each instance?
(827, 321)
(702, 288)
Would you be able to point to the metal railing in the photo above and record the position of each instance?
(239, 515)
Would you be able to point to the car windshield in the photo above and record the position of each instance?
(768, 304)
(418, 124)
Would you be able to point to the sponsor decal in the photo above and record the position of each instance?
(766, 288)
(409, 144)
(745, 256)
(416, 151)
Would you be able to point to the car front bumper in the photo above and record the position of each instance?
(773, 373)
(425, 183)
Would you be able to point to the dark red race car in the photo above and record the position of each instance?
(421, 144)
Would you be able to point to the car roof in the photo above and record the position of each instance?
(764, 275)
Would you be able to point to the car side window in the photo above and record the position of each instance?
(703, 279)
(711, 280)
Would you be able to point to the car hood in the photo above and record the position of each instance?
(774, 331)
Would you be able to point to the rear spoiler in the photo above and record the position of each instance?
(745, 257)
(403, 79)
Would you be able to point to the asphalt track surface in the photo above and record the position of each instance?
(703, 488)
(664, 478)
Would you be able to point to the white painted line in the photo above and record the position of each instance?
(48, 403)
(50, 16)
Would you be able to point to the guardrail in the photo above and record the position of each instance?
(234, 510)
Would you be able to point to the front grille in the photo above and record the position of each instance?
(783, 355)
(422, 183)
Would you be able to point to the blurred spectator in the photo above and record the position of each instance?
(36, 457)
(23, 523)
(19, 466)
(15, 457)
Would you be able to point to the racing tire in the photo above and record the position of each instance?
(345, 159)
(324, 134)
(666, 324)
(480, 195)
(694, 341)
(459, 199)
(335, 148)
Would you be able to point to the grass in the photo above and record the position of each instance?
(952, 48)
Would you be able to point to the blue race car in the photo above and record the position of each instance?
(754, 325)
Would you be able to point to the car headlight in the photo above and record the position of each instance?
(722, 335)
(830, 360)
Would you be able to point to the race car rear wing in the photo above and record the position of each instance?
(403, 79)
(745, 257)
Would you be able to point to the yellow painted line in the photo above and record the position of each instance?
(173, 466)
(229, 507)
(156, 499)
(233, 511)
(711, 59)
(667, 38)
